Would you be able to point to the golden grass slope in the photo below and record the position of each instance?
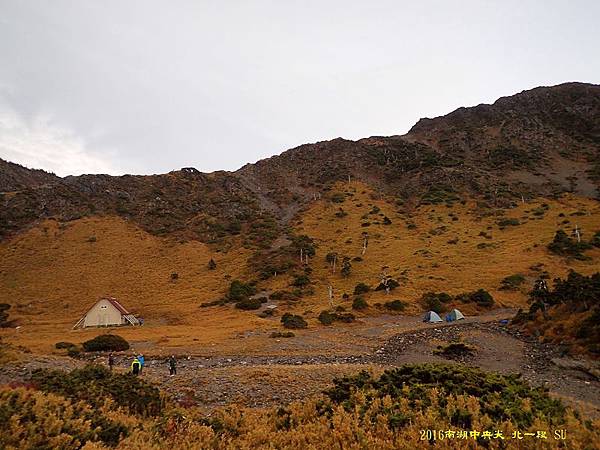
(424, 255)
(53, 272)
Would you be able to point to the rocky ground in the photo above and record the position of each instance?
(262, 380)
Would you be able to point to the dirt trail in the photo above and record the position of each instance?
(312, 359)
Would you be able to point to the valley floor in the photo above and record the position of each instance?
(290, 369)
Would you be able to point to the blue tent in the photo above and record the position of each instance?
(453, 315)
(432, 317)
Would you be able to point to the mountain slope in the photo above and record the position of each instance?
(540, 142)
(53, 272)
(511, 148)
(14, 177)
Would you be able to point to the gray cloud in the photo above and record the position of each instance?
(148, 86)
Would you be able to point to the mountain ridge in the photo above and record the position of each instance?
(540, 142)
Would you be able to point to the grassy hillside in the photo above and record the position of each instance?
(453, 248)
(53, 272)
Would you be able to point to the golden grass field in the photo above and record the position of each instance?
(53, 272)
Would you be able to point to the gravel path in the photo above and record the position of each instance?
(259, 381)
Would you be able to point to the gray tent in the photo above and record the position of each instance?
(453, 315)
(432, 317)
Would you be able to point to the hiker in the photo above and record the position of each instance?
(142, 362)
(136, 366)
(111, 361)
(172, 365)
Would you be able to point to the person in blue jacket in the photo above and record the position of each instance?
(142, 361)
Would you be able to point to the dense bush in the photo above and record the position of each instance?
(435, 301)
(577, 295)
(501, 397)
(106, 343)
(293, 321)
(94, 384)
(301, 280)
(304, 243)
(30, 419)
(345, 317)
(433, 304)
(360, 411)
(482, 297)
(281, 334)
(578, 292)
(284, 295)
(395, 305)
(248, 304)
(361, 288)
(328, 317)
(239, 291)
(563, 245)
(359, 303)
(443, 297)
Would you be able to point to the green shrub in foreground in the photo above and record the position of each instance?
(501, 397)
(93, 384)
(35, 420)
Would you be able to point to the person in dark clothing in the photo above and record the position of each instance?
(172, 366)
(111, 361)
(135, 366)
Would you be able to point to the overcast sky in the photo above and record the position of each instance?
(148, 87)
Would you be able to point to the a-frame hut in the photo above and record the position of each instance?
(107, 312)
